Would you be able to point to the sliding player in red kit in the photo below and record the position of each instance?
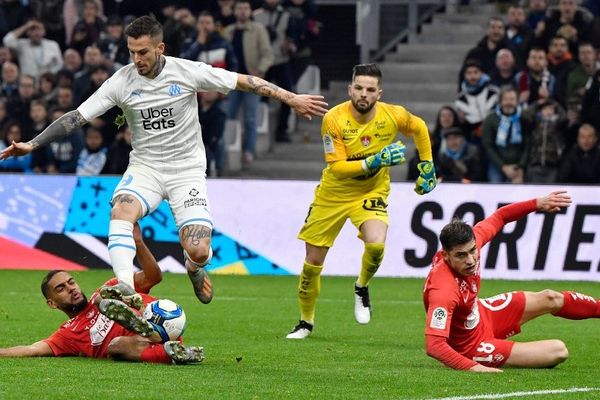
(468, 333)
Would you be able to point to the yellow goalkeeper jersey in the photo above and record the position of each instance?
(344, 139)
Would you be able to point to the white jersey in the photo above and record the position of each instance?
(162, 112)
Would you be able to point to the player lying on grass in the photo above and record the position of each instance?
(90, 333)
(468, 333)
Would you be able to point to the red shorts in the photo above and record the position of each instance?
(500, 316)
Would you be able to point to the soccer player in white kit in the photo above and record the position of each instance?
(158, 97)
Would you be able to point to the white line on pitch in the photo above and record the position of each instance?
(519, 394)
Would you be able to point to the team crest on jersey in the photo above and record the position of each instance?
(365, 140)
(174, 90)
(439, 318)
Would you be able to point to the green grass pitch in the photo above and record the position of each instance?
(247, 356)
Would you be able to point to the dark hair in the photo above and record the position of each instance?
(367, 70)
(46, 279)
(206, 14)
(145, 25)
(471, 62)
(456, 233)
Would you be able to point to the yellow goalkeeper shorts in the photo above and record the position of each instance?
(326, 218)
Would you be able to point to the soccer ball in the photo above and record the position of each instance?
(167, 318)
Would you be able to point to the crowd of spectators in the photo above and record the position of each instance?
(528, 103)
(56, 53)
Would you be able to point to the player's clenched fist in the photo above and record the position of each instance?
(392, 154)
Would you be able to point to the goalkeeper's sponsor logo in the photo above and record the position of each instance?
(328, 144)
(375, 204)
(439, 318)
(150, 118)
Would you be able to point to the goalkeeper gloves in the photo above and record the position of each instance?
(392, 154)
(426, 180)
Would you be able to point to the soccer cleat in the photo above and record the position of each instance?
(362, 304)
(300, 331)
(181, 354)
(124, 292)
(120, 312)
(202, 285)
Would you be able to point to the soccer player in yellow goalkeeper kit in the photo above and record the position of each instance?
(359, 139)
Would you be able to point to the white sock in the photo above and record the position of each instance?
(121, 248)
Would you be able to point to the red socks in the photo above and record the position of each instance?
(155, 353)
(579, 306)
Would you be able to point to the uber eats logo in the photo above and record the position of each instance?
(150, 118)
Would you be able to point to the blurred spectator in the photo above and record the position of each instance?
(18, 106)
(476, 99)
(6, 55)
(176, 28)
(50, 12)
(487, 48)
(504, 142)
(73, 13)
(212, 121)
(560, 63)
(72, 61)
(117, 159)
(114, 44)
(88, 29)
(580, 77)
(252, 49)
(582, 162)
(276, 19)
(64, 152)
(64, 78)
(92, 58)
(519, 33)
(590, 107)
(505, 69)
(64, 98)
(592, 6)
(98, 75)
(460, 161)
(47, 90)
(535, 82)
(39, 121)
(446, 118)
(209, 46)
(3, 115)
(536, 17)
(570, 22)
(36, 55)
(10, 80)
(12, 133)
(93, 156)
(304, 30)
(573, 121)
(224, 16)
(14, 13)
(544, 123)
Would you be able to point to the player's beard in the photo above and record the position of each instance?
(363, 109)
(75, 307)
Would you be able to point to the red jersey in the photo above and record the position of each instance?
(451, 299)
(89, 333)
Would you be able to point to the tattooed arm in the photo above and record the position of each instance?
(305, 105)
(63, 126)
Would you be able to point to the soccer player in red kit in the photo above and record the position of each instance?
(468, 333)
(90, 333)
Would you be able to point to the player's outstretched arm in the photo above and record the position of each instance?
(63, 126)
(37, 349)
(553, 202)
(150, 275)
(483, 368)
(305, 105)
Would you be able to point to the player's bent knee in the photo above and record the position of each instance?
(554, 300)
(560, 351)
(127, 213)
(198, 253)
(116, 348)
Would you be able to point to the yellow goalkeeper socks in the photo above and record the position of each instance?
(308, 291)
(371, 260)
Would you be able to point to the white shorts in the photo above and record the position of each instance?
(185, 192)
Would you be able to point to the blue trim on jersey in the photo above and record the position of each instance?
(120, 235)
(140, 196)
(184, 223)
(122, 245)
